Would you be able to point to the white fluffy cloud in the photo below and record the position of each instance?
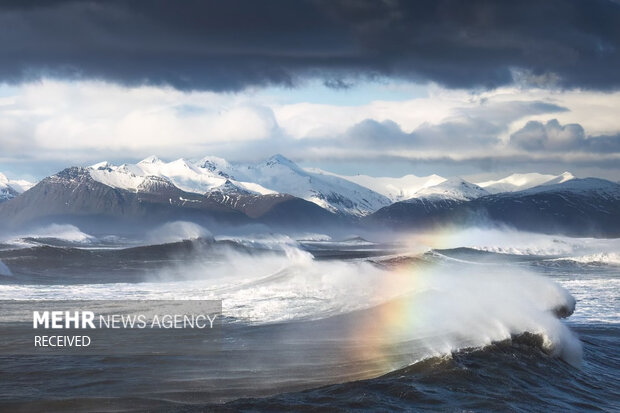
(80, 122)
(76, 120)
(595, 111)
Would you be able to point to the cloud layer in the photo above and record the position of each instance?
(51, 124)
(231, 45)
(554, 137)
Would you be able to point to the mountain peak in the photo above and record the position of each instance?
(523, 181)
(578, 185)
(10, 186)
(101, 165)
(560, 179)
(453, 188)
(212, 163)
(229, 187)
(281, 160)
(151, 159)
(455, 180)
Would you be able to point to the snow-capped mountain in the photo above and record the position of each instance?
(456, 189)
(277, 192)
(560, 179)
(328, 191)
(350, 195)
(9, 189)
(409, 187)
(185, 175)
(585, 187)
(74, 197)
(519, 182)
(275, 175)
(396, 189)
(433, 205)
(578, 207)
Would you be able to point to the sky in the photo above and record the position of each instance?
(479, 89)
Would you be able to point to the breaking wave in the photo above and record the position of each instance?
(60, 232)
(457, 311)
(510, 241)
(609, 258)
(422, 310)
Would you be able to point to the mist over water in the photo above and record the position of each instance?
(511, 241)
(63, 232)
(176, 231)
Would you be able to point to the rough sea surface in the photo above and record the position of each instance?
(471, 321)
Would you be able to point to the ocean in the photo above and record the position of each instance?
(451, 320)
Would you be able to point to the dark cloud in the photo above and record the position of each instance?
(229, 45)
(387, 134)
(554, 137)
(536, 136)
(604, 144)
(465, 133)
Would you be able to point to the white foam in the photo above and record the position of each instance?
(313, 237)
(511, 241)
(597, 299)
(63, 232)
(446, 307)
(610, 258)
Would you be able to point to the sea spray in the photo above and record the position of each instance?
(63, 232)
(413, 311)
(177, 231)
(511, 241)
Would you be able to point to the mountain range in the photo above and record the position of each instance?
(278, 192)
(578, 207)
(9, 189)
(276, 175)
(519, 182)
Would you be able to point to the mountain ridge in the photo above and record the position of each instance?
(577, 207)
(74, 196)
(279, 192)
(276, 175)
(517, 181)
(9, 189)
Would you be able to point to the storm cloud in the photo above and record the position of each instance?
(231, 45)
(554, 137)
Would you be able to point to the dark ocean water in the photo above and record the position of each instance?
(328, 326)
(507, 376)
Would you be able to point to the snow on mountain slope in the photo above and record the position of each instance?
(456, 189)
(275, 175)
(519, 182)
(586, 186)
(184, 175)
(396, 189)
(223, 168)
(328, 191)
(560, 179)
(11, 188)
